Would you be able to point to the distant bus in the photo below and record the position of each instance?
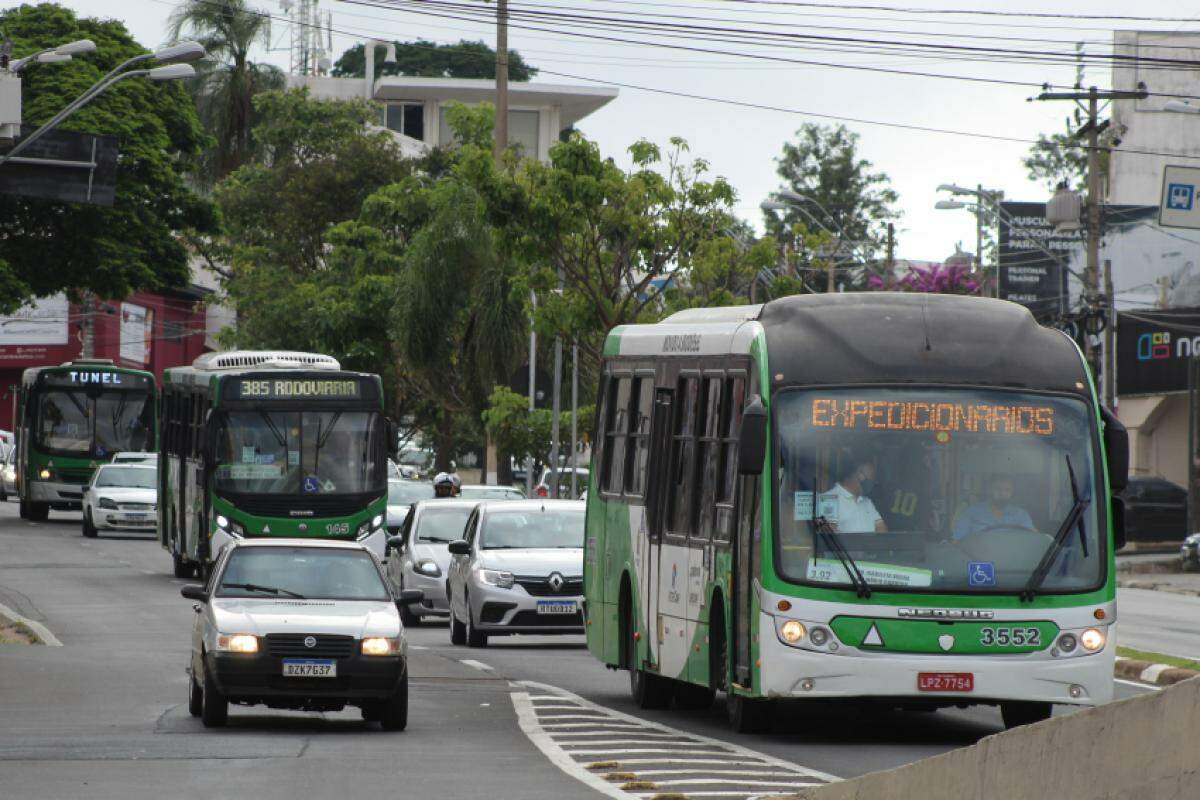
(265, 443)
(72, 418)
(892, 496)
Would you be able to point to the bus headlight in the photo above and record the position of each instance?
(818, 636)
(44, 474)
(377, 522)
(792, 631)
(1091, 639)
(222, 521)
(1067, 643)
(231, 528)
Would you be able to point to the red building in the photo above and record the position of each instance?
(150, 331)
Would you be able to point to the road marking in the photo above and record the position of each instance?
(713, 766)
(41, 630)
(470, 662)
(1137, 685)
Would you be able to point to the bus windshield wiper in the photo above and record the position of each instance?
(279, 437)
(254, 587)
(1073, 519)
(861, 587)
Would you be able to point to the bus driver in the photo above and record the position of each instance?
(856, 512)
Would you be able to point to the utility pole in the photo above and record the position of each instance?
(1110, 339)
(1092, 300)
(891, 252)
(501, 126)
(979, 229)
(574, 418)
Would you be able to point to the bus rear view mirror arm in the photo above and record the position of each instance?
(752, 444)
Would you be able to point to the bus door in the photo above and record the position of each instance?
(674, 562)
(746, 538)
(658, 487)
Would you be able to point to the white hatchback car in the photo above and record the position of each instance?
(121, 497)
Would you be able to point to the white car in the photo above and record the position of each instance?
(8, 475)
(564, 482)
(401, 496)
(419, 555)
(301, 624)
(121, 497)
(135, 457)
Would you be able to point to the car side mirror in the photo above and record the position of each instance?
(395, 543)
(1116, 450)
(752, 443)
(460, 547)
(408, 597)
(1118, 523)
(194, 591)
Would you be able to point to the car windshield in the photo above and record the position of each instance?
(405, 493)
(490, 493)
(308, 572)
(534, 528)
(300, 452)
(86, 423)
(949, 490)
(441, 525)
(127, 477)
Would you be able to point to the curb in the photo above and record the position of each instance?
(48, 638)
(1127, 583)
(1153, 674)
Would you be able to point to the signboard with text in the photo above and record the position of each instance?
(1033, 258)
(37, 333)
(1154, 348)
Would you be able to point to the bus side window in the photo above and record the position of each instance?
(638, 445)
(732, 406)
(616, 429)
(707, 461)
(682, 489)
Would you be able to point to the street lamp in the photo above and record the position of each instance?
(1181, 107)
(54, 55)
(172, 58)
(950, 205)
(979, 208)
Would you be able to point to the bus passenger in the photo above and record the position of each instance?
(996, 512)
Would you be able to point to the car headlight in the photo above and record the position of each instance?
(427, 566)
(380, 646)
(237, 643)
(493, 577)
(1092, 639)
(111, 505)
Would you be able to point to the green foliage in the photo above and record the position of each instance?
(47, 247)
(227, 81)
(1058, 159)
(527, 434)
(433, 60)
(844, 194)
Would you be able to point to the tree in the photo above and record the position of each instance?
(48, 247)
(433, 60)
(526, 434)
(227, 81)
(1058, 159)
(936, 279)
(842, 192)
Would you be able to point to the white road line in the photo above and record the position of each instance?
(651, 734)
(672, 740)
(553, 717)
(619, 751)
(417, 647)
(599, 726)
(732, 759)
(540, 707)
(739, 782)
(470, 662)
(1137, 685)
(41, 630)
(646, 773)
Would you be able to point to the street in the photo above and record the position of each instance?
(104, 715)
(1158, 622)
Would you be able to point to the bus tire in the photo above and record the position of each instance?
(89, 529)
(648, 690)
(748, 714)
(180, 568)
(37, 512)
(1018, 713)
(23, 509)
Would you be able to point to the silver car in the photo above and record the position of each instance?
(8, 475)
(518, 569)
(301, 624)
(401, 495)
(419, 558)
(121, 497)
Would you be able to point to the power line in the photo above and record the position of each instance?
(963, 12)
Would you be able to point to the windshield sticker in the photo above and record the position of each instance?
(311, 485)
(826, 571)
(248, 472)
(802, 506)
(293, 458)
(249, 455)
(827, 506)
(981, 573)
(896, 415)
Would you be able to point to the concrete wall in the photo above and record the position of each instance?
(1158, 434)
(1143, 748)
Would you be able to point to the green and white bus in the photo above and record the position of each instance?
(873, 495)
(70, 419)
(269, 443)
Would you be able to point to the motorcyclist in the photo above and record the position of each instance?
(444, 485)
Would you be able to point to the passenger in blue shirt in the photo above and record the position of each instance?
(995, 512)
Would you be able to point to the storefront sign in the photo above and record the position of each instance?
(1153, 350)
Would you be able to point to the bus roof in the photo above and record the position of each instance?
(896, 337)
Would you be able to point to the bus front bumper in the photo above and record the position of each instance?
(61, 496)
(789, 672)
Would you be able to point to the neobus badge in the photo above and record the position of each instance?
(945, 613)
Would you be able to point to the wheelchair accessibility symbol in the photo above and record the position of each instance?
(981, 573)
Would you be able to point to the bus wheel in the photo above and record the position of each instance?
(181, 568)
(23, 509)
(747, 714)
(38, 512)
(1018, 713)
(648, 690)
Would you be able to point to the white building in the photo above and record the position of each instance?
(414, 109)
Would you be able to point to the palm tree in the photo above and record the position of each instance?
(228, 81)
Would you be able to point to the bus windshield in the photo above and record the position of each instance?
(954, 490)
(88, 424)
(299, 452)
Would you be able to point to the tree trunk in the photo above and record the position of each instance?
(443, 443)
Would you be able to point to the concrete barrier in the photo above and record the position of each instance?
(1142, 748)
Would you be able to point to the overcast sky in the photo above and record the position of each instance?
(742, 143)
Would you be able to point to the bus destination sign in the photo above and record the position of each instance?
(298, 389)
(88, 378)
(896, 415)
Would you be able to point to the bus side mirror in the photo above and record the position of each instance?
(1116, 450)
(752, 444)
(1118, 523)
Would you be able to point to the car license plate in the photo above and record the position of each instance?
(309, 668)
(556, 607)
(946, 681)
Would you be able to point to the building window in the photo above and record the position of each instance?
(522, 131)
(406, 118)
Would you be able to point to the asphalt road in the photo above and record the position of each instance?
(105, 714)
(1160, 622)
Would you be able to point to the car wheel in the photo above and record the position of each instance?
(407, 617)
(195, 697)
(475, 637)
(372, 712)
(458, 631)
(395, 710)
(747, 714)
(1016, 714)
(89, 530)
(214, 707)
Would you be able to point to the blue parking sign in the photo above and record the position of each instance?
(981, 573)
(1180, 196)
